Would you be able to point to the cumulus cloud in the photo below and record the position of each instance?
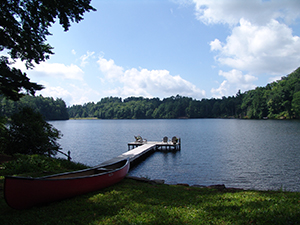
(255, 11)
(44, 74)
(72, 71)
(215, 45)
(110, 69)
(235, 80)
(83, 94)
(55, 92)
(144, 82)
(261, 39)
(260, 49)
(76, 94)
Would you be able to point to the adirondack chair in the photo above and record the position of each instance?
(174, 140)
(165, 139)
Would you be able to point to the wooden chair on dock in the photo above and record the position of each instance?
(174, 140)
(165, 139)
(138, 139)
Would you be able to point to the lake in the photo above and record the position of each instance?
(248, 154)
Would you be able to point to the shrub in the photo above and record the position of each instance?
(29, 133)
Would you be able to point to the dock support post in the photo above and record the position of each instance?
(69, 156)
(179, 143)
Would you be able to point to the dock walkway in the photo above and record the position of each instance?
(139, 150)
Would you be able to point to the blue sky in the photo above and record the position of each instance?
(159, 48)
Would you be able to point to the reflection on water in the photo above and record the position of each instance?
(250, 154)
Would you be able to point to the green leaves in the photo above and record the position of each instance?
(296, 104)
(37, 165)
(13, 81)
(24, 28)
(51, 109)
(29, 133)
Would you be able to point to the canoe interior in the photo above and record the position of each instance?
(89, 172)
(23, 192)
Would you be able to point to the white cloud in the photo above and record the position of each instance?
(83, 94)
(237, 77)
(74, 95)
(73, 52)
(274, 78)
(260, 41)
(60, 70)
(110, 69)
(72, 71)
(235, 80)
(261, 49)
(215, 45)
(85, 57)
(55, 92)
(148, 83)
(256, 11)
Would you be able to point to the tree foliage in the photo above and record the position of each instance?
(51, 109)
(279, 99)
(29, 133)
(146, 108)
(24, 28)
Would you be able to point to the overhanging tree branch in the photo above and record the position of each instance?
(24, 28)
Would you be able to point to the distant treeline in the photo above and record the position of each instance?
(51, 109)
(280, 99)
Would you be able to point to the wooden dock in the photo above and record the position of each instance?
(139, 150)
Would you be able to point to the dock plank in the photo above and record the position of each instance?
(132, 154)
(141, 149)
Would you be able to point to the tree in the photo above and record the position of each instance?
(29, 133)
(24, 27)
(296, 104)
(3, 133)
(51, 109)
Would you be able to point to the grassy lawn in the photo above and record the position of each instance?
(135, 202)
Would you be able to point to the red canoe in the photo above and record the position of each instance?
(24, 192)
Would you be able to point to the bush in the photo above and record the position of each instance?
(37, 164)
(29, 133)
(3, 134)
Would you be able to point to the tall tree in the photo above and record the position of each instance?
(24, 28)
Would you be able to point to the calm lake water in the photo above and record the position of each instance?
(249, 154)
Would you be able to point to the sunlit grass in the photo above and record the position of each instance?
(133, 202)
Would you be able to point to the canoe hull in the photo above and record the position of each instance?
(22, 193)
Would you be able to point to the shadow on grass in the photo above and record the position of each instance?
(132, 202)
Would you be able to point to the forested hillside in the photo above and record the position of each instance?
(168, 108)
(280, 99)
(277, 100)
(51, 109)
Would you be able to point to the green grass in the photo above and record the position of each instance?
(37, 165)
(134, 202)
